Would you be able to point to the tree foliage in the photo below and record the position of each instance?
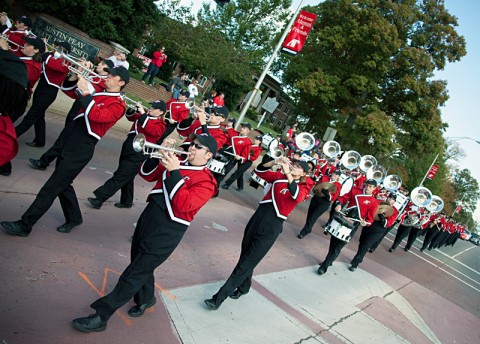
(122, 21)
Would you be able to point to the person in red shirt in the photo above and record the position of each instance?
(98, 113)
(176, 113)
(391, 199)
(17, 33)
(219, 100)
(159, 58)
(288, 190)
(254, 154)
(150, 124)
(54, 72)
(320, 203)
(181, 190)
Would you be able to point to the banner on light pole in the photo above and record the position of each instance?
(297, 37)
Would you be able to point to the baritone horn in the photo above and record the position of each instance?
(331, 149)
(305, 141)
(421, 196)
(436, 205)
(140, 144)
(366, 162)
(351, 160)
(392, 182)
(377, 173)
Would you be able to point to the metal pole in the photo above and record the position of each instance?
(426, 174)
(267, 68)
(455, 210)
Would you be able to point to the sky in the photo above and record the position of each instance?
(461, 111)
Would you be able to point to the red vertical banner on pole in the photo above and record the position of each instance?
(459, 209)
(432, 172)
(297, 37)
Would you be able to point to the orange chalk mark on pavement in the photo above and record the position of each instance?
(101, 291)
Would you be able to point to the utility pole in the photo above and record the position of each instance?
(426, 174)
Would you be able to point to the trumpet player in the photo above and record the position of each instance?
(181, 190)
(17, 33)
(54, 72)
(177, 111)
(152, 125)
(289, 188)
(69, 87)
(98, 113)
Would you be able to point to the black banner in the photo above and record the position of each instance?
(80, 48)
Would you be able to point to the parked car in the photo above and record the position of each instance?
(465, 235)
(475, 238)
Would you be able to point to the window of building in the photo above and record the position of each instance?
(202, 80)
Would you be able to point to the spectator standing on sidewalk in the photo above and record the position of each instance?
(175, 86)
(192, 88)
(159, 58)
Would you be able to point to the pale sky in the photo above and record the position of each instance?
(461, 111)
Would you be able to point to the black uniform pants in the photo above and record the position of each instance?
(228, 167)
(154, 240)
(43, 97)
(123, 178)
(335, 247)
(377, 243)
(238, 174)
(412, 236)
(439, 239)
(318, 205)
(368, 237)
(429, 235)
(402, 232)
(260, 234)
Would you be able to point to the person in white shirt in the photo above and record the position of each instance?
(119, 59)
(192, 88)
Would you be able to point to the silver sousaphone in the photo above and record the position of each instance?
(436, 205)
(331, 149)
(377, 173)
(421, 196)
(366, 162)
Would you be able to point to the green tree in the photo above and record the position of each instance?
(122, 21)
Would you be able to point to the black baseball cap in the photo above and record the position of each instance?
(121, 71)
(37, 42)
(233, 120)
(220, 111)
(303, 165)
(25, 20)
(246, 125)
(109, 63)
(64, 45)
(206, 140)
(259, 137)
(371, 182)
(13, 68)
(337, 172)
(159, 105)
(392, 196)
(185, 93)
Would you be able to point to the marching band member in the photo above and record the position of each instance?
(150, 124)
(254, 154)
(422, 225)
(99, 112)
(391, 198)
(240, 147)
(373, 232)
(320, 204)
(441, 236)
(408, 219)
(288, 189)
(54, 72)
(230, 127)
(69, 87)
(366, 213)
(436, 225)
(176, 113)
(181, 190)
(17, 33)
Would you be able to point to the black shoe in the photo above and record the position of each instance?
(325, 232)
(34, 144)
(391, 250)
(211, 304)
(236, 294)
(15, 228)
(422, 249)
(92, 323)
(321, 270)
(301, 235)
(406, 249)
(122, 205)
(352, 268)
(5, 172)
(67, 227)
(239, 189)
(138, 310)
(371, 250)
(95, 202)
(225, 186)
(38, 164)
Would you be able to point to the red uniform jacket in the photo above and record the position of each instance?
(334, 195)
(196, 128)
(185, 190)
(367, 204)
(177, 110)
(8, 140)
(150, 126)
(283, 195)
(241, 146)
(54, 71)
(34, 70)
(101, 111)
(360, 180)
(16, 36)
(255, 152)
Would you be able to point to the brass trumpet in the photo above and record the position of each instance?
(140, 144)
(131, 103)
(76, 66)
(12, 46)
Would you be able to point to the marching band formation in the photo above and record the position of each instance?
(354, 189)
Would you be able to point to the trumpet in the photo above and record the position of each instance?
(12, 46)
(282, 159)
(190, 104)
(131, 103)
(140, 144)
(75, 66)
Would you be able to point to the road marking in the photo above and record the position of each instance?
(439, 267)
(459, 253)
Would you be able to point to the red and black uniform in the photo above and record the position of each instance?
(130, 160)
(8, 140)
(34, 69)
(253, 155)
(172, 204)
(98, 113)
(54, 72)
(69, 88)
(193, 126)
(239, 145)
(17, 37)
(263, 229)
(423, 224)
(176, 111)
(318, 206)
(407, 220)
(388, 224)
(439, 240)
(436, 225)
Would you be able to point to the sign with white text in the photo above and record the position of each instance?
(299, 32)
